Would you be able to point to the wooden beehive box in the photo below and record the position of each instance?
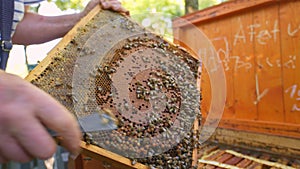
(258, 43)
(79, 73)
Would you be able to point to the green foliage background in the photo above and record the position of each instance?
(173, 7)
(69, 4)
(155, 15)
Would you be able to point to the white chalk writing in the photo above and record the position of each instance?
(294, 31)
(259, 95)
(240, 34)
(240, 62)
(291, 63)
(256, 32)
(275, 30)
(294, 93)
(209, 58)
(246, 37)
(261, 35)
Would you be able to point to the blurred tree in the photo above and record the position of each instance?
(69, 4)
(191, 6)
(169, 7)
(173, 7)
(207, 3)
(155, 15)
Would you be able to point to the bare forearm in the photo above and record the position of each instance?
(35, 29)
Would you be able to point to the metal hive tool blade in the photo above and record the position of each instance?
(97, 122)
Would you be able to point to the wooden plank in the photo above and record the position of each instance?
(201, 153)
(258, 165)
(260, 161)
(290, 51)
(224, 9)
(206, 152)
(195, 150)
(209, 166)
(233, 160)
(244, 163)
(211, 156)
(177, 35)
(221, 39)
(215, 155)
(201, 165)
(254, 165)
(244, 67)
(271, 128)
(282, 160)
(269, 93)
(210, 149)
(268, 143)
(214, 164)
(75, 164)
(201, 150)
(90, 163)
(224, 157)
(206, 94)
(114, 160)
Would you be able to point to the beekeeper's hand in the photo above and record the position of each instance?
(25, 110)
(114, 5)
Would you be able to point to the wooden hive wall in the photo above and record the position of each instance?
(258, 44)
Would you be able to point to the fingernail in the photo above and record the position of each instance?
(104, 4)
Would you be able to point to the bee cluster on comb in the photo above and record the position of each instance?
(148, 84)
